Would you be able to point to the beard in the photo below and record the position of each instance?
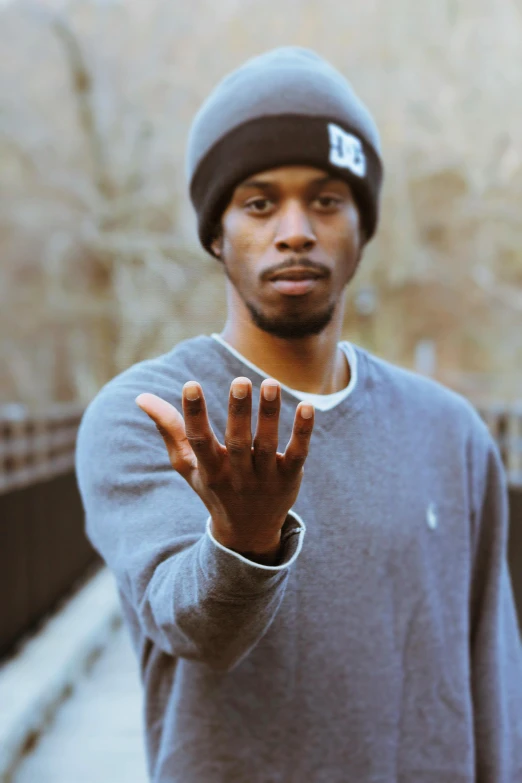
(291, 325)
(294, 323)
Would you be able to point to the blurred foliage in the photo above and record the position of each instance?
(101, 266)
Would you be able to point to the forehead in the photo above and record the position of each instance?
(290, 176)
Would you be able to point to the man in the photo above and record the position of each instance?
(339, 610)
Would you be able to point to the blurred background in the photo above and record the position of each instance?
(100, 265)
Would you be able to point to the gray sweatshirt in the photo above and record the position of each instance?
(383, 648)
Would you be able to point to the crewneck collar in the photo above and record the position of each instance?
(322, 402)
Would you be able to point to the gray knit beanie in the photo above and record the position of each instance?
(286, 106)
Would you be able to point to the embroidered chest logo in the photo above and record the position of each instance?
(346, 150)
(431, 516)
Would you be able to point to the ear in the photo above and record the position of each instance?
(362, 240)
(217, 243)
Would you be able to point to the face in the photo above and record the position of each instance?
(284, 218)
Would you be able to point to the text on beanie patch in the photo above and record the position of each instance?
(346, 150)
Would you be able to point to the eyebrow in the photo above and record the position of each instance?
(263, 185)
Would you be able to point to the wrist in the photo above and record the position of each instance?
(260, 552)
(268, 557)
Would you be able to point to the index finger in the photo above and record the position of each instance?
(199, 432)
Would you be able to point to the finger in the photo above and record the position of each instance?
(238, 434)
(267, 431)
(200, 434)
(298, 446)
(169, 423)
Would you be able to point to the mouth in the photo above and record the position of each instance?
(296, 286)
(296, 273)
(295, 281)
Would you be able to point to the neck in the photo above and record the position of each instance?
(314, 364)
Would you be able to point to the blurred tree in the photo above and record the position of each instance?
(101, 263)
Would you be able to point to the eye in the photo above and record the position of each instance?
(258, 201)
(333, 201)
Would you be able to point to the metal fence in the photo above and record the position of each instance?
(43, 546)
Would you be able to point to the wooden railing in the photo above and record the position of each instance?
(44, 551)
(36, 447)
(505, 424)
(43, 546)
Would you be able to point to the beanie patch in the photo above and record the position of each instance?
(346, 150)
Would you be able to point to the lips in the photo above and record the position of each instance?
(296, 274)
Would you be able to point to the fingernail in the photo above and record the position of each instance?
(239, 390)
(307, 411)
(269, 392)
(191, 392)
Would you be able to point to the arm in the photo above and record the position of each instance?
(194, 597)
(496, 653)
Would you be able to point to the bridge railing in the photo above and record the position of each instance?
(44, 551)
(36, 446)
(504, 421)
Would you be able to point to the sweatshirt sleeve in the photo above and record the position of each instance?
(194, 598)
(496, 652)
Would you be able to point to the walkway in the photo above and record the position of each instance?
(96, 735)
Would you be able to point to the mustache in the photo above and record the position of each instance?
(297, 263)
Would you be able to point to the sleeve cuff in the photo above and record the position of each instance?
(292, 534)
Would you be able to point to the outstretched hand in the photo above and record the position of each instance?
(248, 488)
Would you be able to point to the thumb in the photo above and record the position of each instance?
(171, 426)
(154, 406)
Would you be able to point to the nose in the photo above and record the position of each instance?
(294, 230)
